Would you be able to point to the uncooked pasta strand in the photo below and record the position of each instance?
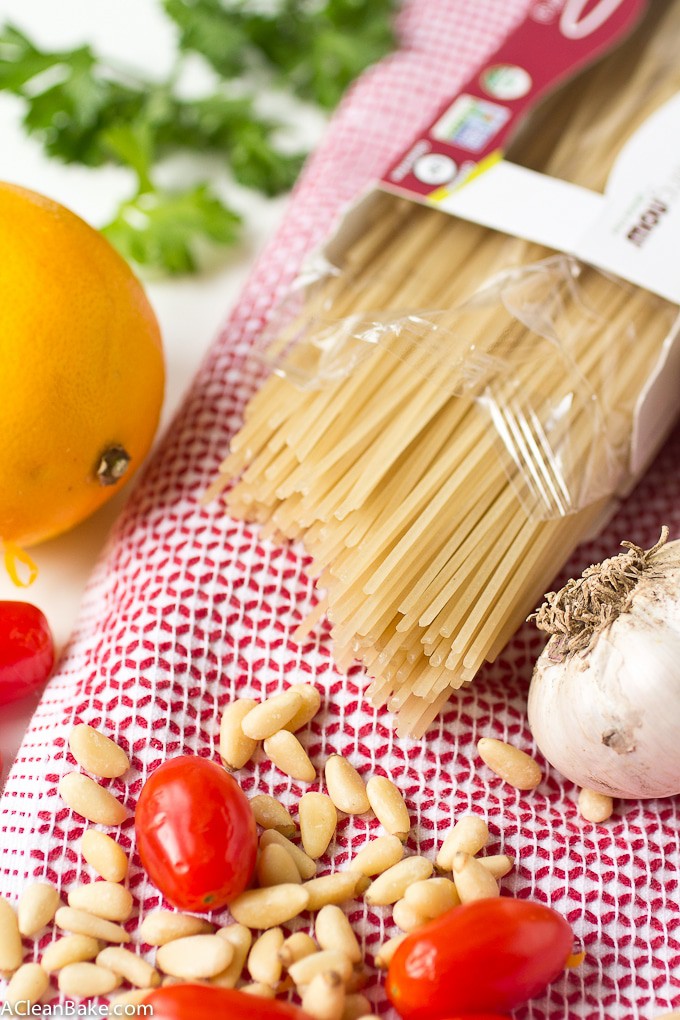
(303, 630)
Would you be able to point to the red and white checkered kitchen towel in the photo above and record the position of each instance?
(187, 609)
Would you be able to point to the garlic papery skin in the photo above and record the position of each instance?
(607, 715)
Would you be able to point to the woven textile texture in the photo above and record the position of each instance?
(186, 609)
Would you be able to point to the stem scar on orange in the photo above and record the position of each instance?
(81, 369)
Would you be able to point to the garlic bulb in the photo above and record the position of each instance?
(604, 701)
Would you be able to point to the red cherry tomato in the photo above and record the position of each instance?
(196, 833)
(201, 1002)
(489, 955)
(26, 650)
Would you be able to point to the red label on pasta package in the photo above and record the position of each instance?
(556, 39)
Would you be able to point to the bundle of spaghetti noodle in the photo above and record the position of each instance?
(440, 466)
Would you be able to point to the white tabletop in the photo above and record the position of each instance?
(190, 309)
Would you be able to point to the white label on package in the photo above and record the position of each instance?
(523, 203)
(632, 231)
(637, 234)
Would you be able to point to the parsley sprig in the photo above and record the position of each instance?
(85, 109)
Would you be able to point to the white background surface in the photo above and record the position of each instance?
(190, 309)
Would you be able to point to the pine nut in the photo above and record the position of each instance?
(324, 998)
(469, 834)
(268, 908)
(304, 971)
(358, 979)
(318, 821)
(133, 968)
(356, 1006)
(311, 703)
(595, 807)
(81, 923)
(433, 897)
(264, 965)
(275, 866)
(345, 786)
(135, 997)
(70, 949)
(103, 899)
(271, 814)
(97, 753)
(82, 795)
(369, 1016)
(37, 906)
(27, 986)
(261, 991)
(383, 957)
(514, 766)
(195, 957)
(297, 947)
(86, 979)
(389, 806)
(407, 917)
(163, 926)
(473, 880)
(335, 889)
(288, 754)
(393, 883)
(241, 940)
(271, 715)
(103, 854)
(378, 855)
(235, 747)
(498, 864)
(11, 950)
(305, 865)
(333, 931)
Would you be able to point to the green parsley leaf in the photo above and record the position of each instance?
(70, 102)
(19, 60)
(230, 126)
(206, 28)
(213, 122)
(256, 164)
(355, 35)
(165, 229)
(133, 144)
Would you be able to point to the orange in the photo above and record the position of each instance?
(81, 369)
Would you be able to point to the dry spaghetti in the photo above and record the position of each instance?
(429, 545)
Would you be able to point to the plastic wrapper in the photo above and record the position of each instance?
(552, 353)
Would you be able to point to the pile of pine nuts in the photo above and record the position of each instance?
(326, 969)
(95, 911)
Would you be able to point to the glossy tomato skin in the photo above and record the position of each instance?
(486, 956)
(196, 833)
(26, 650)
(201, 1002)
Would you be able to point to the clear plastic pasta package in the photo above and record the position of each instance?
(543, 370)
(482, 360)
